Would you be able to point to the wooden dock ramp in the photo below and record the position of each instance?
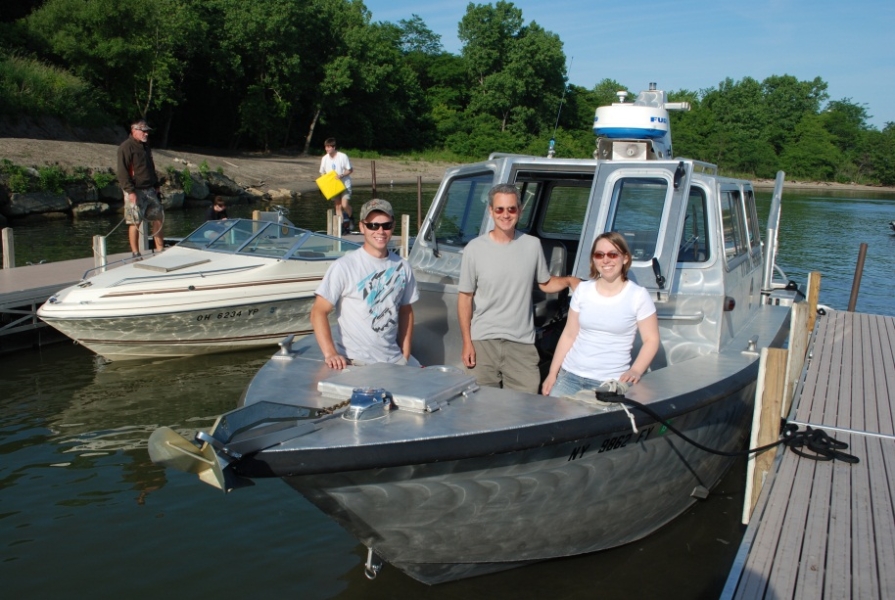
(827, 529)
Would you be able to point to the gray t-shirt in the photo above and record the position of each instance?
(500, 277)
(367, 293)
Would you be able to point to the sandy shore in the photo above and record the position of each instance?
(279, 171)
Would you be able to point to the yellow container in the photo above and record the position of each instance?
(330, 185)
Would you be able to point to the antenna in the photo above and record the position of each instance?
(551, 151)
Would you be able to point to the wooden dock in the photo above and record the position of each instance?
(827, 529)
(24, 289)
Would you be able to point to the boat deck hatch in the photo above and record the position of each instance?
(160, 265)
(412, 388)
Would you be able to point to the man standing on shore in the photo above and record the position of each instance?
(140, 185)
(494, 303)
(337, 161)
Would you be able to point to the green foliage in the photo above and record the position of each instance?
(16, 178)
(136, 51)
(186, 181)
(102, 179)
(34, 88)
(51, 178)
(204, 168)
(283, 74)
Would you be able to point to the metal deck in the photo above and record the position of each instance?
(827, 529)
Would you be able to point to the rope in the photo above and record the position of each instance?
(820, 445)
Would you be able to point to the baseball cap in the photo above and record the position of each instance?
(374, 205)
(141, 125)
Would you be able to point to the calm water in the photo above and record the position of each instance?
(83, 512)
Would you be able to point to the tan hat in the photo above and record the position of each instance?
(376, 204)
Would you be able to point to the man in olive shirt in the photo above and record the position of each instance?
(140, 185)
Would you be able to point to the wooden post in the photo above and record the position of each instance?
(765, 423)
(405, 236)
(336, 224)
(373, 171)
(813, 295)
(419, 203)
(856, 283)
(256, 215)
(329, 221)
(798, 347)
(9, 249)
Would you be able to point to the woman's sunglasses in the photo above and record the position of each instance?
(387, 226)
(498, 210)
(612, 255)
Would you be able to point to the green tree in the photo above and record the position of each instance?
(518, 73)
(811, 153)
(786, 101)
(137, 51)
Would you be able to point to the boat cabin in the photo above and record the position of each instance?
(693, 235)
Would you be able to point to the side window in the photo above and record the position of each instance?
(695, 236)
(461, 216)
(752, 219)
(566, 207)
(732, 223)
(637, 206)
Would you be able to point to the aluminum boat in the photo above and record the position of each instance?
(229, 285)
(444, 479)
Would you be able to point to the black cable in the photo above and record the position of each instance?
(816, 440)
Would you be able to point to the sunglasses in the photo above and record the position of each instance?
(611, 255)
(387, 226)
(498, 210)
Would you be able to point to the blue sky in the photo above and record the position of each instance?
(695, 44)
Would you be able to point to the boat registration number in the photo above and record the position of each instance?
(613, 443)
(228, 314)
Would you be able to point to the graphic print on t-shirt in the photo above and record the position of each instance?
(376, 289)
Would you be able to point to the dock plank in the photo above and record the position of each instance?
(826, 529)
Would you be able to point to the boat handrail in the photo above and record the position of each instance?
(770, 256)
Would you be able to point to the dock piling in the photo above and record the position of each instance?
(859, 272)
(9, 249)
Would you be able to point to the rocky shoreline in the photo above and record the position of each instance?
(266, 177)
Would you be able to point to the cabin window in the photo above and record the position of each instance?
(695, 235)
(752, 220)
(566, 208)
(528, 195)
(460, 219)
(732, 221)
(637, 207)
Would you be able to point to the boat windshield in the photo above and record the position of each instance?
(266, 239)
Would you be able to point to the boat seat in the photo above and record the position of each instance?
(546, 306)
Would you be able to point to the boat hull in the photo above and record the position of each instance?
(238, 326)
(448, 520)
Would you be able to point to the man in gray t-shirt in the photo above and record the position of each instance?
(373, 290)
(494, 304)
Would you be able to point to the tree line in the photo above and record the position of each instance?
(286, 74)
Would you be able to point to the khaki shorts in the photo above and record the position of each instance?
(147, 203)
(501, 363)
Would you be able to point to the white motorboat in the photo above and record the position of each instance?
(444, 479)
(229, 285)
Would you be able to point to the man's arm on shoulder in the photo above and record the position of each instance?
(557, 284)
(320, 322)
(405, 329)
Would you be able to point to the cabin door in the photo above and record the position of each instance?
(646, 202)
